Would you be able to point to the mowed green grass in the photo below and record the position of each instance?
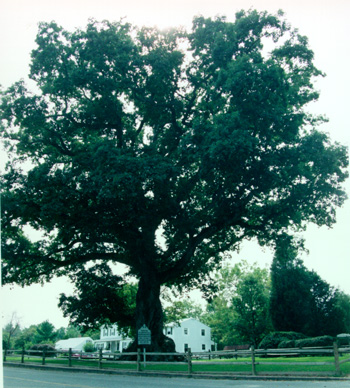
(242, 365)
(303, 365)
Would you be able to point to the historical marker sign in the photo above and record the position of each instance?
(144, 336)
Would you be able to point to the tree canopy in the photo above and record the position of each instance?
(162, 149)
(301, 300)
(239, 311)
(100, 298)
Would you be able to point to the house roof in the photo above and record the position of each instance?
(73, 343)
(183, 321)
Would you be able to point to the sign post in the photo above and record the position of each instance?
(144, 338)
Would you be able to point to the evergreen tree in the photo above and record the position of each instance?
(300, 300)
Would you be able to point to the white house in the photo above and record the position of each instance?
(112, 340)
(76, 344)
(192, 334)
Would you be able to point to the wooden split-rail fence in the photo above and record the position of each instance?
(141, 359)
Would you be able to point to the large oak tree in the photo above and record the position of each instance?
(161, 150)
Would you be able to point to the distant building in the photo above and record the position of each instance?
(112, 340)
(76, 344)
(192, 334)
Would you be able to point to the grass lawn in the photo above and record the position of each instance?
(300, 364)
(242, 365)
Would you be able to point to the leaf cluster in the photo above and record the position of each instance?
(100, 298)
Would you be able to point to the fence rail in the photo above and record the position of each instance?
(142, 359)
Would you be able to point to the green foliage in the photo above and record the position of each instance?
(302, 301)
(11, 332)
(45, 333)
(100, 297)
(27, 338)
(220, 318)
(5, 342)
(47, 348)
(251, 304)
(238, 311)
(343, 307)
(322, 341)
(272, 340)
(89, 347)
(94, 334)
(60, 333)
(286, 344)
(182, 309)
(343, 340)
(73, 331)
(199, 137)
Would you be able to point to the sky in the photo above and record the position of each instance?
(326, 25)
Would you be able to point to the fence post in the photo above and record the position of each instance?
(138, 361)
(43, 362)
(22, 358)
(100, 359)
(253, 360)
(189, 361)
(336, 359)
(70, 357)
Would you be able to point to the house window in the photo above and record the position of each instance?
(203, 332)
(185, 331)
(105, 331)
(203, 346)
(113, 331)
(185, 347)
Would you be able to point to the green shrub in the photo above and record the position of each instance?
(272, 340)
(343, 339)
(325, 340)
(39, 348)
(89, 347)
(286, 344)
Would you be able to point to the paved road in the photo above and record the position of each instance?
(31, 378)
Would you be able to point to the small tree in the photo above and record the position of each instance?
(45, 333)
(89, 347)
(251, 305)
(238, 313)
(27, 338)
(220, 317)
(9, 332)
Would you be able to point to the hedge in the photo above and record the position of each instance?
(49, 349)
(286, 344)
(325, 340)
(272, 340)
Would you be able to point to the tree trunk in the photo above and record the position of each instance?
(149, 312)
